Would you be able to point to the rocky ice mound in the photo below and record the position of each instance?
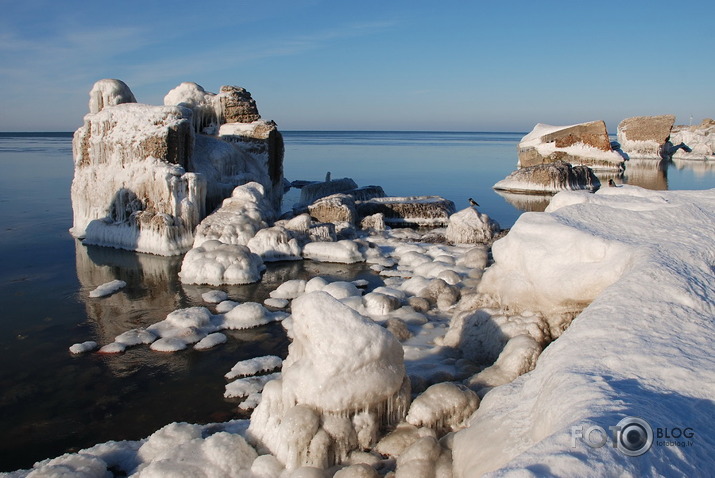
(342, 383)
(469, 226)
(216, 263)
(643, 259)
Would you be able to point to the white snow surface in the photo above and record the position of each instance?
(255, 365)
(642, 348)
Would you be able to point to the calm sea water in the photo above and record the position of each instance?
(52, 402)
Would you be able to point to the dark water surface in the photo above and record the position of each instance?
(52, 402)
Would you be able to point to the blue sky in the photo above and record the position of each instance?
(382, 65)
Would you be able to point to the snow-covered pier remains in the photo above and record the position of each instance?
(581, 144)
(145, 176)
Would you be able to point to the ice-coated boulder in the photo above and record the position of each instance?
(275, 244)
(262, 149)
(238, 219)
(584, 143)
(470, 226)
(343, 383)
(549, 177)
(421, 211)
(641, 136)
(237, 105)
(314, 191)
(216, 263)
(334, 208)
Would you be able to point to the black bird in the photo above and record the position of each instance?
(473, 202)
(612, 183)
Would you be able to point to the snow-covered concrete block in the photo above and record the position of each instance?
(585, 143)
(420, 211)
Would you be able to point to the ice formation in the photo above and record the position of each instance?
(345, 251)
(550, 177)
(342, 382)
(255, 365)
(419, 211)
(443, 407)
(108, 288)
(109, 92)
(145, 176)
(83, 347)
(275, 244)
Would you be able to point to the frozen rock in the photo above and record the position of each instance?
(334, 208)
(289, 289)
(420, 211)
(214, 296)
(419, 460)
(276, 303)
(357, 471)
(261, 144)
(585, 143)
(375, 222)
(237, 105)
(342, 290)
(244, 368)
(109, 92)
(345, 252)
(84, 347)
(108, 288)
(275, 244)
(211, 341)
(443, 407)
(135, 337)
(641, 136)
(249, 315)
(313, 191)
(300, 223)
(470, 226)
(518, 357)
(342, 383)
(550, 177)
(201, 103)
(215, 263)
(324, 232)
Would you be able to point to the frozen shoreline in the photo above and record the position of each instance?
(595, 383)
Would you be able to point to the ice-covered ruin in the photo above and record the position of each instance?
(145, 176)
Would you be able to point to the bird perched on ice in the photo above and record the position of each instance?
(472, 202)
(612, 183)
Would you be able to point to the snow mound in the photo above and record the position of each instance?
(83, 347)
(443, 407)
(342, 382)
(215, 263)
(275, 244)
(620, 358)
(108, 288)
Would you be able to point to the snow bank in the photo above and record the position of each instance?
(642, 348)
(342, 382)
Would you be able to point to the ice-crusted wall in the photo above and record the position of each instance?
(145, 176)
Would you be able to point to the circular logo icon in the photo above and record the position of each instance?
(635, 436)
